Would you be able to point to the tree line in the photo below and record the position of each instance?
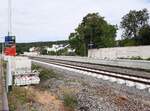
(24, 47)
(95, 32)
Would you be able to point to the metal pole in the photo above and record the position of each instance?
(91, 39)
(9, 17)
(9, 74)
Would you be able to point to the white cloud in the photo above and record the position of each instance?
(41, 20)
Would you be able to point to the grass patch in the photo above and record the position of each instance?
(46, 74)
(4, 64)
(69, 98)
(19, 96)
(70, 101)
(136, 58)
(35, 67)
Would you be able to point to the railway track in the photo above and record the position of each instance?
(139, 81)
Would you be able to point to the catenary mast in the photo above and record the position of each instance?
(10, 39)
(9, 17)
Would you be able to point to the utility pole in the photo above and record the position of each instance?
(10, 39)
(9, 17)
(91, 39)
(10, 47)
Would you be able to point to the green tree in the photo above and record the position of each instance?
(92, 30)
(52, 53)
(126, 42)
(43, 51)
(76, 43)
(132, 22)
(24, 47)
(144, 35)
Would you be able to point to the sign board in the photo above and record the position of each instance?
(10, 51)
(10, 46)
(10, 40)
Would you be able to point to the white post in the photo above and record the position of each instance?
(9, 74)
(9, 18)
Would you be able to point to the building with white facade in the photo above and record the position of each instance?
(56, 48)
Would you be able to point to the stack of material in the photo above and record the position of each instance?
(26, 80)
(20, 64)
(22, 73)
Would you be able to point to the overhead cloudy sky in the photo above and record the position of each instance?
(46, 20)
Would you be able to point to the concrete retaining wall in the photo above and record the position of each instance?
(120, 52)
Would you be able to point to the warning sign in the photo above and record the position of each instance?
(10, 46)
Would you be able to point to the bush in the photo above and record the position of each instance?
(35, 67)
(44, 73)
(148, 59)
(47, 74)
(136, 58)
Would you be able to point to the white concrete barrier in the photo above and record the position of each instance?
(120, 52)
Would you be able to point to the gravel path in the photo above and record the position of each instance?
(98, 95)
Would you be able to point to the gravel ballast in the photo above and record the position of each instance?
(97, 95)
